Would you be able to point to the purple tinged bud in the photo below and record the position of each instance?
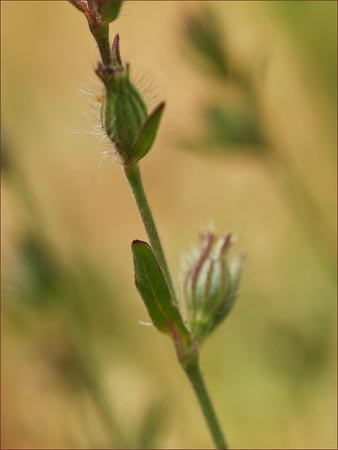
(211, 285)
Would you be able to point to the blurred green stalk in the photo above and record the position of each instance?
(305, 209)
(99, 398)
(203, 32)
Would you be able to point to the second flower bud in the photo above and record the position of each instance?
(124, 113)
(211, 285)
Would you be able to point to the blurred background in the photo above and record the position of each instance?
(247, 144)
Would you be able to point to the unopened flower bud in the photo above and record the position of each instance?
(99, 14)
(109, 9)
(211, 285)
(124, 113)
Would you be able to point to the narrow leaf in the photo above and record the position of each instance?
(154, 291)
(147, 135)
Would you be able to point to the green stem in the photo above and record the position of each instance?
(101, 35)
(196, 379)
(191, 368)
(134, 178)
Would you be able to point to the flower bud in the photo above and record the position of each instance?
(99, 14)
(124, 113)
(211, 285)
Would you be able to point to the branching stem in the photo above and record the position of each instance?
(135, 181)
(191, 369)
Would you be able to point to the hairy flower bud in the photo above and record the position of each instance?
(124, 113)
(211, 285)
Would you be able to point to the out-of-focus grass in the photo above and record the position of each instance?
(67, 222)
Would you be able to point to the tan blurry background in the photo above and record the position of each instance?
(271, 366)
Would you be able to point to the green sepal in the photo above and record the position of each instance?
(234, 272)
(147, 135)
(152, 286)
(109, 9)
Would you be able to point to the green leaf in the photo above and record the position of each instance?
(152, 286)
(109, 9)
(234, 125)
(203, 32)
(147, 135)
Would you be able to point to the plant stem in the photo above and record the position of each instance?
(196, 379)
(191, 368)
(135, 181)
(101, 35)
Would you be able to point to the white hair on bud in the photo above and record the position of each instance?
(92, 122)
(147, 85)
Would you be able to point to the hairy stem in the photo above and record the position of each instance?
(135, 181)
(192, 367)
(196, 379)
(101, 35)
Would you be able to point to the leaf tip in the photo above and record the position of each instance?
(137, 242)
